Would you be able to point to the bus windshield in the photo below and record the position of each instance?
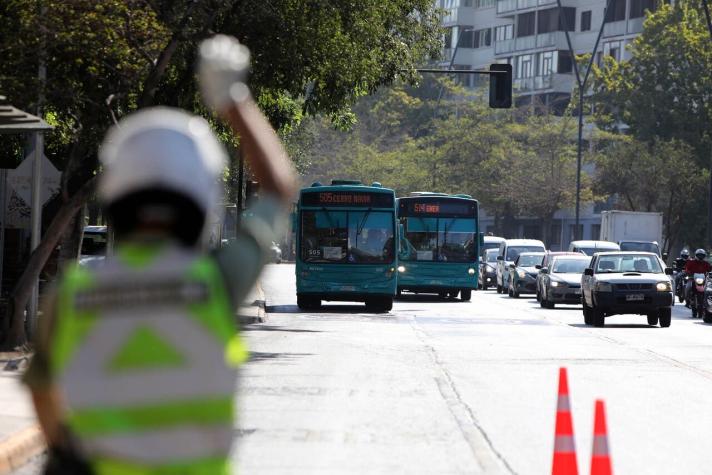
(356, 237)
(439, 239)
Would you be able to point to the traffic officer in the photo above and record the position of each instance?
(134, 370)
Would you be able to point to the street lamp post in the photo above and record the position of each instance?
(581, 87)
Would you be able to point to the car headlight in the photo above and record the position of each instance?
(521, 273)
(699, 281)
(555, 283)
(663, 286)
(604, 287)
(471, 271)
(401, 268)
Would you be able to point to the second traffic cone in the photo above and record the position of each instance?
(564, 446)
(600, 457)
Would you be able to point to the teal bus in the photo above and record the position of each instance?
(439, 244)
(346, 245)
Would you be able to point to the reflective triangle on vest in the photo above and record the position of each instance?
(145, 349)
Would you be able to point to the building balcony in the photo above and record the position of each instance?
(554, 82)
(505, 6)
(635, 25)
(524, 4)
(504, 46)
(615, 28)
(552, 39)
(525, 42)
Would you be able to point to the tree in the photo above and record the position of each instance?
(661, 176)
(106, 59)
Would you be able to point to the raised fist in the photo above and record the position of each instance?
(223, 65)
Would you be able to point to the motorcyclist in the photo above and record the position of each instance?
(698, 265)
(679, 267)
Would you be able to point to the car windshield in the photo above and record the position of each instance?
(490, 245)
(570, 266)
(628, 263)
(492, 255)
(514, 251)
(347, 236)
(529, 260)
(640, 247)
(439, 239)
(93, 244)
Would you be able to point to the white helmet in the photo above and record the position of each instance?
(163, 149)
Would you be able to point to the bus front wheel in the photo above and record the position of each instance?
(465, 295)
(305, 302)
(379, 304)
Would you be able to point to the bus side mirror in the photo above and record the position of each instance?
(588, 271)
(500, 86)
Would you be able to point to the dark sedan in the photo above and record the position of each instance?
(561, 281)
(627, 282)
(523, 273)
(488, 269)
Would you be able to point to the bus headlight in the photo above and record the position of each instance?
(663, 286)
(401, 268)
(471, 271)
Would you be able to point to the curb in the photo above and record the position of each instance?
(20, 447)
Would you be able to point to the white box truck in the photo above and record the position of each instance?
(630, 226)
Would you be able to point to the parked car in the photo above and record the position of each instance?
(93, 247)
(548, 257)
(488, 269)
(627, 282)
(523, 272)
(561, 280)
(509, 250)
(591, 247)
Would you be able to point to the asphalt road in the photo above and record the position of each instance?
(445, 387)
(442, 387)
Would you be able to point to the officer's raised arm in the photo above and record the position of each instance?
(222, 70)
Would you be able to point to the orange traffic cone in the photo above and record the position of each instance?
(600, 457)
(564, 445)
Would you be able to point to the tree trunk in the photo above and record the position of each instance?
(23, 289)
(72, 239)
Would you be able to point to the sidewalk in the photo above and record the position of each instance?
(20, 437)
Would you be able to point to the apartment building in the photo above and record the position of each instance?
(530, 35)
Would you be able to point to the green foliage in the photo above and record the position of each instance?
(514, 162)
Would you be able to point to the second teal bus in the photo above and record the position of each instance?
(439, 244)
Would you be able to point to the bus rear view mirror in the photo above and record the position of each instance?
(500, 86)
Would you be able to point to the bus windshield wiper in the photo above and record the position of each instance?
(359, 228)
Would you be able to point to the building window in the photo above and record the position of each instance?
(547, 62)
(483, 38)
(532, 231)
(616, 12)
(565, 63)
(573, 235)
(467, 3)
(505, 32)
(555, 234)
(466, 37)
(595, 231)
(526, 24)
(549, 20)
(525, 66)
(586, 21)
(485, 3)
(613, 49)
(638, 7)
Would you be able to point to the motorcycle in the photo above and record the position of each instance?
(696, 298)
(680, 279)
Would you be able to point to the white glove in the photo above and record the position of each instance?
(223, 65)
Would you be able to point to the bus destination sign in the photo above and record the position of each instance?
(436, 208)
(347, 198)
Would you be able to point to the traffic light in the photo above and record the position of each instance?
(500, 87)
